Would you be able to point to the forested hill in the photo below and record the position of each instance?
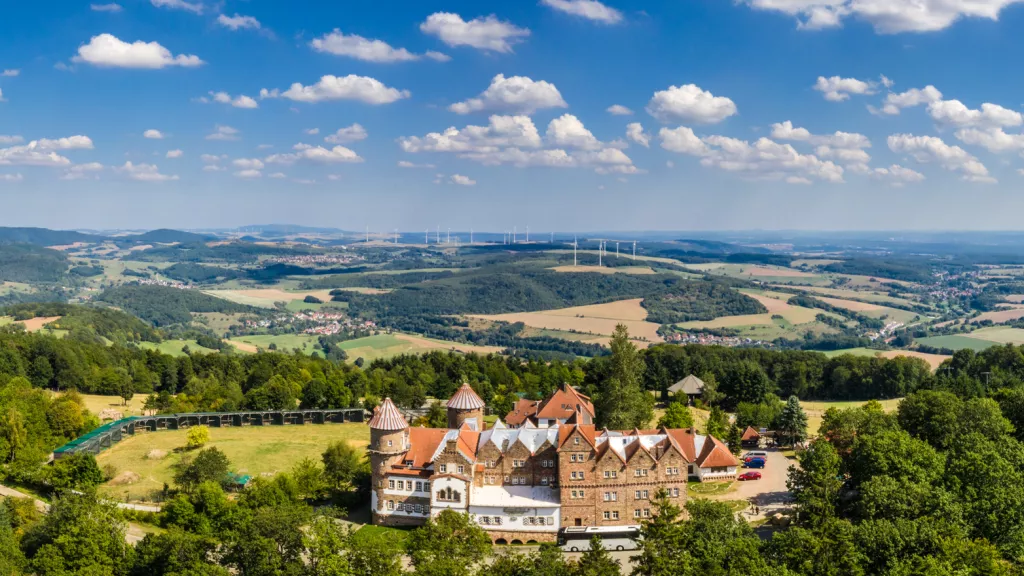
(45, 236)
(87, 322)
(31, 263)
(166, 306)
(162, 236)
(672, 298)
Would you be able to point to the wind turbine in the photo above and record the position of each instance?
(514, 234)
(574, 250)
(396, 235)
(437, 233)
(600, 252)
(616, 249)
(634, 249)
(449, 236)
(527, 234)
(426, 237)
(367, 234)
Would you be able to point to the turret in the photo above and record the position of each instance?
(465, 407)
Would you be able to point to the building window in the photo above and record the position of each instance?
(391, 484)
(607, 515)
(401, 484)
(647, 512)
(497, 520)
(518, 463)
(543, 481)
(672, 471)
(408, 462)
(449, 495)
(576, 441)
(490, 463)
(611, 496)
(611, 474)
(426, 486)
(719, 470)
(461, 469)
(444, 468)
(391, 504)
(640, 472)
(615, 514)
(485, 520)
(419, 486)
(577, 493)
(675, 492)
(401, 507)
(636, 513)
(389, 443)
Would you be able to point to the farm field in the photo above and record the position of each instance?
(37, 324)
(599, 319)
(750, 271)
(388, 345)
(933, 360)
(999, 335)
(251, 450)
(266, 297)
(304, 342)
(219, 322)
(173, 347)
(1001, 315)
(776, 304)
(867, 295)
(815, 410)
(959, 341)
(606, 269)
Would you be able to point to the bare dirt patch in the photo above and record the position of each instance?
(245, 346)
(426, 344)
(1015, 298)
(156, 454)
(266, 297)
(125, 478)
(36, 324)
(140, 248)
(621, 310)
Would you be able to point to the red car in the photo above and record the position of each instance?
(750, 476)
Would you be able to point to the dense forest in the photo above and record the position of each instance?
(30, 263)
(917, 270)
(87, 322)
(166, 306)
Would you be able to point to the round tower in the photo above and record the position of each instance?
(389, 440)
(466, 407)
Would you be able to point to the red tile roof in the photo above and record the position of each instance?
(387, 417)
(465, 399)
(564, 403)
(685, 441)
(716, 454)
(521, 412)
(750, 434)
(423, 444)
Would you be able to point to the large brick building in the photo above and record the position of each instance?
(525, 483)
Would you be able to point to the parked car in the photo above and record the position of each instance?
(755, 454)
(755, 463)
(750, 476)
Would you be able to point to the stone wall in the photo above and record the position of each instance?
(524, 537)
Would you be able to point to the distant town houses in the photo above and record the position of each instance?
(711, 339)
(167, 283)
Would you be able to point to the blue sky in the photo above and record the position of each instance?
(763, 114)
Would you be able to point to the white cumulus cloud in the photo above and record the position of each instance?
(317, 154)
(83, 171)
(407, 164)
(837, 89)
(351, 87)
(355, 46)
(5, 140)
(112, 7)
(249, 173)
(635, 132)
(12, 73)
(589, 9)
(239, 22)
(886, 16)
(193, 7)
(240, 101)
(895, 102)
(516, 94)
(463, 180)
(955, 113)
(931, 149)
(11, 177)
(619, 110)
(897, 175)
(483, 33)
(353, 133)
(153, 134)
(144, 172)
(225, 133)
(175, 154)
(567, 131)
(690, 102)
(108, 51)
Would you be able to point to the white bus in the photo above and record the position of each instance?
(577, 538)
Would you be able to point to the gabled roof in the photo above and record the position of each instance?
(586, 430)
(387, 417)
(465, 399)
(521, 412)
(691, 385)
(564, 403)
(423, 444)
(716, 454)
(750, 434)
(533, 439)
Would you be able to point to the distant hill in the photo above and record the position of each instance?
(30, 263)
(165, 306)
(164, 236)
(285, 230)
(46, 237)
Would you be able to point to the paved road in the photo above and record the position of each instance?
(769, 493)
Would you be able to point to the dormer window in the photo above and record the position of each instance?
(390, 443)
(444, 468)
(576, 441)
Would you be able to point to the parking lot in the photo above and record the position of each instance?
(768, 494)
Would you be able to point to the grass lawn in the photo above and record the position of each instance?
(852, 351)
(5, 320)
(999, 335)
(251, 450)
(699, 489)
(957, 342)
(815, 410)
(173, 347)
(394, 536)
(96, 404)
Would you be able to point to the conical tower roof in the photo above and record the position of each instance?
(465, 399)
(387, 417)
